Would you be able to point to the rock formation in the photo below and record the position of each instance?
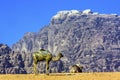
(10, 62)
(89, 38)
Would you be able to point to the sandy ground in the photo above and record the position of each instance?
(63, 76)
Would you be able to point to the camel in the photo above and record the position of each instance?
(44, 55)
(76, 69)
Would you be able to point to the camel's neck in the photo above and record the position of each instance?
(56, 58)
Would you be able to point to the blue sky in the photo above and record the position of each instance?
(20, 16)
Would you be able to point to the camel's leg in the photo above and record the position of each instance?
(47, 67)
(35, 68)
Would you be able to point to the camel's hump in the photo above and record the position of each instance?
(44, 51)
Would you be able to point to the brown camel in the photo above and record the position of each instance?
(76, 69)
(44, 55)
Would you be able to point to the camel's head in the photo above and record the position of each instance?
(60, 54)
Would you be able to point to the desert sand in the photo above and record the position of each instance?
(63, 76)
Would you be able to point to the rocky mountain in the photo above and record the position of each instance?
(10, 62)
(84, 37)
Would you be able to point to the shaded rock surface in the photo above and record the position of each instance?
(84, 37)
(10, 62)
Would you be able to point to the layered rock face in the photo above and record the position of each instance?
(84, 37)
(10, 62)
